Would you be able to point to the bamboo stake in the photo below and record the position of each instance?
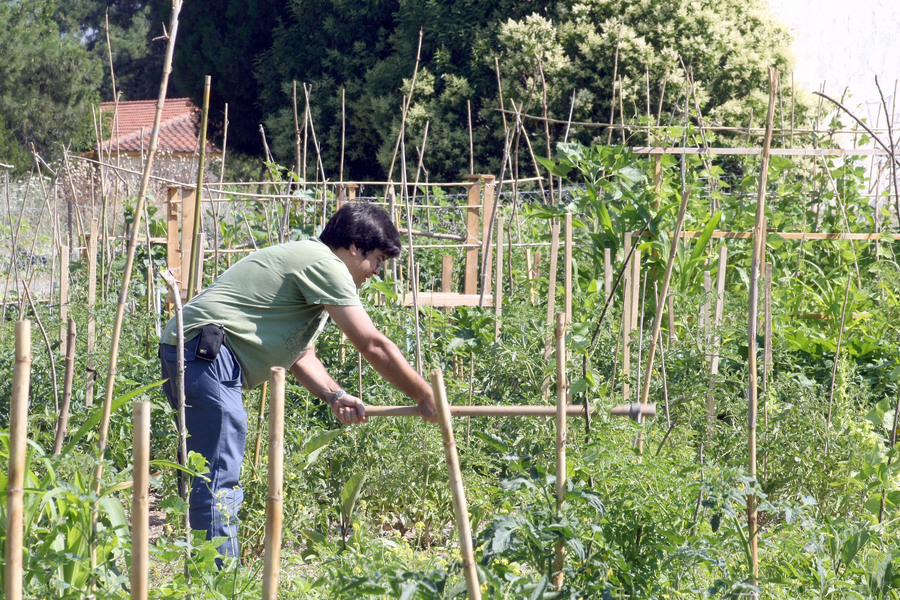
(298, 138)
(18, 431)
(562, 392)
(551, 281)
(714, 350)
(196, 248)
(612, 102)
(607, 271)
(274, 504)
(567, 270)
(758, 242)
(129, 262)
(263, 392)
(837, 356)
(63, 420)
(409, 225)
(91, 374)
(63, 296)
(183, 487)
(471, 140)
(47, 343)
(140, 503)
(466, 550)
(891, 458)
(627, 319)
(767, 362)
(343, 130)
(407, 101)
(498, 294)
(663, 292)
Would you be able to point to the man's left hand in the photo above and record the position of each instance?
(349, 410)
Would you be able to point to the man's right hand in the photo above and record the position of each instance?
(428, 409)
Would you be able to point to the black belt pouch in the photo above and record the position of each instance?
(210, 341)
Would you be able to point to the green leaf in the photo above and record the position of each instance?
(853, 545)
(350, 494)
(492, 440)
(97, 415)
(703, 241)
(555, 169)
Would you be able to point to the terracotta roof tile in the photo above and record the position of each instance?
(178, 128)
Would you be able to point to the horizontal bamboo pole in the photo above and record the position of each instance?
(759, 151)
(792, 235)
(574, 410)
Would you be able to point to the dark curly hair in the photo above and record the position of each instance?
(367, 225)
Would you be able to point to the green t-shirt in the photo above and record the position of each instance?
(271, 305)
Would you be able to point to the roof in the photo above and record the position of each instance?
(131, 131)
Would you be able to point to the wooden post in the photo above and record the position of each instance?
(567, 270)
(562, 392)
(91, 374)
(274, 505)
(63, 296)
(173, 241)
(470, 282)
(487, 214)
(446, 274)
(140, 503)
(498, 294)
(18, 429)
(657, 320)
(458, 492)
(63, 420)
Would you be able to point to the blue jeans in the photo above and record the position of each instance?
(217, 428)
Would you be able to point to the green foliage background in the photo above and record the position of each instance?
(366, 53)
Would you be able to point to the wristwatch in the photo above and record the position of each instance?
(333, 398)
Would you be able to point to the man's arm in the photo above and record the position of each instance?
(384, 356)
(312, 375)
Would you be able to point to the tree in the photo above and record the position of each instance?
(47, 83)
(255, 49)
(225, 39)
(132, 25)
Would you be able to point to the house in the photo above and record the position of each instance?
(129, 125)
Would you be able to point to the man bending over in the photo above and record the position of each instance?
(267, 310)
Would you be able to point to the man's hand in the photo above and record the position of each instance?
(427, 409)
(349, 410)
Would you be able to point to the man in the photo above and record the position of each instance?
(267, 310)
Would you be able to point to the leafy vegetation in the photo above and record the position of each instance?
(368, 511)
